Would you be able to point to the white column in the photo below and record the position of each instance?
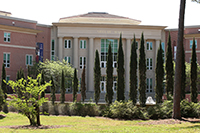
(90, 63)
(127, 61)
(75, 53)
(60, 49)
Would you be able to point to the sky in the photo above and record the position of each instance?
(150, 12)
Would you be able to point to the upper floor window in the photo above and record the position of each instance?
(191, 43)
(149, 85)
(67, 58)
(67, 43)
(104, 51)
(6, 37)
(29, 60)
(6, 60)
(82, 44)
(149, 45)
(82, 62)
(149, 63)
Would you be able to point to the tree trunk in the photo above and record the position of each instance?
(38, 115)
(177, 85)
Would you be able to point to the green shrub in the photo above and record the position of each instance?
(166, 109)
(53, 109)
(63, 109)
(155, 112)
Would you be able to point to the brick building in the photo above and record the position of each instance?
(21, 41)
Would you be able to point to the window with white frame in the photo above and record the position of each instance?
(6, 37)
(67, 43)
(29, 60)
(149, 45)
(6, 59)
(7, 78)
(67, 58)
(191, 43)
(149, 85)
(104, 51)
(82, 62)
(52, 50)
(82, 44)
(149, 63)
(103, 84)
(114, 83)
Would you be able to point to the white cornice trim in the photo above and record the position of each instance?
(16, 46)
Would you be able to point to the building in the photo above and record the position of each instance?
(76, 38)
(22, 41)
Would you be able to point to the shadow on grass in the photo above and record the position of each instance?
(191, 127)
(191, 120)
(2, 116)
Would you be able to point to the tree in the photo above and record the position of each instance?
(1, 99)
(193, 73)
(42, 81)
(178, 72)
(159, 75)
(53, 97)
(29, 106)
(120, 72)
(83, 85)
(20, 75)
(63, 90)
(133, 73)
(3, 84)
(183, 77)
(109, 77)
(97, 77)
(142, 73)
(169, 67)
(75, 86)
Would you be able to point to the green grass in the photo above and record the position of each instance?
(93, 125)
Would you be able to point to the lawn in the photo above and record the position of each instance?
(93, 124)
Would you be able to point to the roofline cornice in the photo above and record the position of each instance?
(108, 25)
(18, 19)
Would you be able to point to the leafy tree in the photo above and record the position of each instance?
(169, 67)
(120, 72)
(159, 75)
(133, 73)
(53, 97)
(97, 77)
(1, 99)
(193, 73)
(29, 106)
(75, 86)
(63, 90)
(142, 73)
(42, 81)
(83, 85)
(20, 75)
(3, 84)
(109, 77)
(183, 77)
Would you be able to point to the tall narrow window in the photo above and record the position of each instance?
(7, 78)
(103, 84)
(114, 83)
(67, 58)
(82, 62)
(6, 37)
(149, 63)
(104, 51)
(67, 43)
(82, 44)
(191, 43)
(52, 50)
(6, 60)
(29, 60)
(149, 85)
(149, 45)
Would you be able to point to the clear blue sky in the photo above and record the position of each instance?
(150, 12)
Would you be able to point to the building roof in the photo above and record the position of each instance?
(5, 13)
(99, 18)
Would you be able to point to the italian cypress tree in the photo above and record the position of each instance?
(159, 75)
(97, 77)
(53, 89)
(42, 82)
(169, 67)
(75, 86)
(62, 98)
(109, 77)
(120, 72)
(142, 73)
(183, 77)
(133, 73)
(193, 73)
(83, 85)
(3, 84)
